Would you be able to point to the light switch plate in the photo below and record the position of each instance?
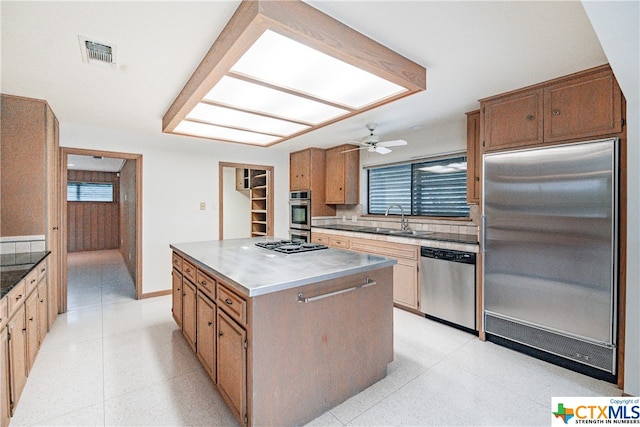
(203, 206)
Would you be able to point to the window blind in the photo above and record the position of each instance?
(428, 188)
(89, 192)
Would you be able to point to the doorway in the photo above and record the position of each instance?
(98, 230)
(245, 200)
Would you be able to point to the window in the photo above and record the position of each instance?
(429, 188)
(89, 192)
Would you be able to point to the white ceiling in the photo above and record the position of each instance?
(94, 163)
(471, 50)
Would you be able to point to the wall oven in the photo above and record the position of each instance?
(300, 210)
(300, 235)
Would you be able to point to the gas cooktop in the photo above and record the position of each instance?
(290, 246)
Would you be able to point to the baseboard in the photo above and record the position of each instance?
(156, 294)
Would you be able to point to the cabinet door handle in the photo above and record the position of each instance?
(18, 297)
(209, 323)
(203, 283)
(228, 301)
(188, 270)
(530, 117)
(220, 334)
(31, 319)
(555, 112)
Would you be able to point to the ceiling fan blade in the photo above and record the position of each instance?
(353, 149)
(382, 150)
(394, 143)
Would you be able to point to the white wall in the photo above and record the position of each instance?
(177, 174)
(617, 25)
(236, 221)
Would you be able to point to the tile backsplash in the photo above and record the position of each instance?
(21, 244)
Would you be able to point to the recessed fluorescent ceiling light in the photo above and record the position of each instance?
(282, 68)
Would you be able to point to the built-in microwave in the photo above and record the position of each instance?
(300, 210)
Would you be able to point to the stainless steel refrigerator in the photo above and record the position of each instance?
(549, 238)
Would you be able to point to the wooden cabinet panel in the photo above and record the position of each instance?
(16, 297)
(300, 170)
(42, 311)
(31, 319)
(232, 359)
(31, 281)
(514, 120)
(4, 312)
(206, 284)
(234, 305)
(176, 260)
(5, 401)
(583, 107)
(17, 329)
(176, 299)
(189, 313)
(189, 271)
(307, 172)
(474, 157)
(343, 175)
(206, 334)
(405, 283)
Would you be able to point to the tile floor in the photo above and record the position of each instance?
(111, 360)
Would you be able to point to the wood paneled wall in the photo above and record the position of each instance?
(93, 226)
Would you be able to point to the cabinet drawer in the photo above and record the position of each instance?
(189, 271)
(232, 304)
(389, 249)
(339, 242)
(31, 280)
(42, 270)
(206, 284)
(16, 297)
(4, 312)
(176, 260)
(323, 239)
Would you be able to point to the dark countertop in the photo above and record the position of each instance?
(423, 235)
(14, 267)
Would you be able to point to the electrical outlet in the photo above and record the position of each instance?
(354, 218)
(203, 206)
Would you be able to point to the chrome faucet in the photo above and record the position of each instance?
(404, 224)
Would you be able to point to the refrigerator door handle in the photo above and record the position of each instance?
(483, 224)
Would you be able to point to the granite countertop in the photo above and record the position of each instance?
(256, 271)
(422, 235)
(14, 267)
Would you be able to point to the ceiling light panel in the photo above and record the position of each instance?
(254, 97)
(239, 119)
(278, 60)
(224, 134)
(280, 69)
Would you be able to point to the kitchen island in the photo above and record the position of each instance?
(285, 336)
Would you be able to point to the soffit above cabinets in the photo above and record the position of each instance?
(280, 69)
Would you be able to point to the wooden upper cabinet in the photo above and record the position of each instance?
(513, 120)
(300, 170)
(474, 157)
(576, 107)
(585, 106)
(343, 175)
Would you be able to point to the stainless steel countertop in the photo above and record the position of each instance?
(256, 271)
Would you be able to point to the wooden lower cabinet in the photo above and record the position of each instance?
(31, 320)
(5, 408)
(206, 334)
(42, 311)
(406, 278)
(405, 283)
(17, 330)
(189, 312)
(232, 360)
(176, 308)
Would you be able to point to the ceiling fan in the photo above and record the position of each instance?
(372, 142)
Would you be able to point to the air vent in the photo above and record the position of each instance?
(97, 53)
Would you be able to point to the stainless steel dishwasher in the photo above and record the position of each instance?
(449, 286)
